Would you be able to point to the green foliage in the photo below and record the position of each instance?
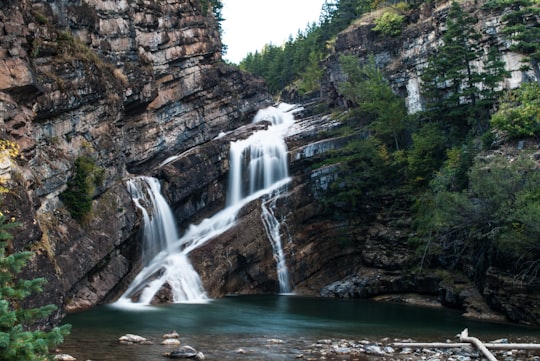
(453, 175)
(368, 89)
(451, 79)
(81, 187)
(519, 112)
(309, 79)
(366, 170)
(17, 341)
(492, 221)
(390, 23)
(426, 155)
(521, 26)
(281, 65)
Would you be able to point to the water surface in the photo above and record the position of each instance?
(254, 324)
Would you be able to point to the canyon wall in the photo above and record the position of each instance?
(404, 57)
(330, 255)
(139, 87)
(120, 86)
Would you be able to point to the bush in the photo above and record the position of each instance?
(494, 221)
(519, 112)
(390, 24)
(81, 186)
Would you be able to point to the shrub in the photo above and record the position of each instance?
(390, 24)
(81, 186)
(519, 112)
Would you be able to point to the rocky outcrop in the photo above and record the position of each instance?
(404, 57)
(125, 84)
(518, 299)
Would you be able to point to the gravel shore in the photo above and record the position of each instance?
(386, 349)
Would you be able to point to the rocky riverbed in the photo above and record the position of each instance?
(387, 350)
(322, 349)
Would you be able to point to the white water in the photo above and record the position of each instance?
(163, 261)
(272, 226)
(258, 166)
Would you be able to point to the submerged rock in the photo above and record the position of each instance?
(185, 352)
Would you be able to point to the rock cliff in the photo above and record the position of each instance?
(404, 56)
(370, 257)
(122, 85)
(138, 87)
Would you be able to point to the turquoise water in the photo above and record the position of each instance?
(223, 326)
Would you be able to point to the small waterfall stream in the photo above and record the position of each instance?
(258, 167)
(272, 227)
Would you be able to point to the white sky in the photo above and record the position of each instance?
(250, 24)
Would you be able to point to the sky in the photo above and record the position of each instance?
(250, 24)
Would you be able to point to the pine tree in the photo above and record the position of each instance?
(451, 80)
(370, 91)
(523, 28)
(17, 341)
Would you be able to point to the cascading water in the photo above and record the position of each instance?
(272, 227)
(159, 228)
(258, 166)
(163, 263)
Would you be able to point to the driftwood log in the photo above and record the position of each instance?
(467, 341)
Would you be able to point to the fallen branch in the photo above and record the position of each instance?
(492, 346)
(468, 340)
(464, 337)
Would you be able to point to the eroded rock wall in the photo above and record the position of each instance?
(125, 84)
(404, 57)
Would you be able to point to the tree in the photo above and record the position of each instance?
(18, 342)
(426, 155)
(367, 88)
(311, 76)
(450, 81)
(389, 23)
(81, 187)
(522, 27)
(491, 222)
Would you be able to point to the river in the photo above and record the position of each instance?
(223, 327)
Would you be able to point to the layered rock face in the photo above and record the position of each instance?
(404, 57)
(124, 84)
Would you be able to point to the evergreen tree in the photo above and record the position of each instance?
(371, 93)
(493, 75)
(451, 79)
(523, 28)
(17, 341)
(311, 76)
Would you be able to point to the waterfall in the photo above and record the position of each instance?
(272, 227)
(163, 262)
(159, 228)
(258, 166)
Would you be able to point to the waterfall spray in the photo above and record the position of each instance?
(265, 154)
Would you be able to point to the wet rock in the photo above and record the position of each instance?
(129, 339)
(172, 334)
(64, 357)
(185, 352)
(171, 342)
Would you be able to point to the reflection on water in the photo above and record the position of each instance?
(221, 327)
